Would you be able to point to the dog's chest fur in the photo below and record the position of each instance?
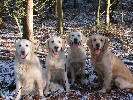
(76, 55)
(22, 69)
(55, 62)
(98, 63)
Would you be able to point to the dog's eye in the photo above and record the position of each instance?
(101, 40)
(94, 39)
(52, 41)
(19, 45)
(72, 35)
(59, 42)
(78, 35)
(26, 45)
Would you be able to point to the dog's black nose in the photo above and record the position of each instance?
(56, 47)
(22, 52)
(75, 39)
(97, 45)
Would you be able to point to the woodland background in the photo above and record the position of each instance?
(39, 19)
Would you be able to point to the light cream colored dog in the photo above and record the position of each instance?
(56, 70)
(107, 65)
(76, 60)
(28, 71)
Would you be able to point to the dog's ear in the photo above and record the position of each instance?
(63, 45)
(106, 44)
(47, 45)
(89, 43)
(83, 38)
(33, 47)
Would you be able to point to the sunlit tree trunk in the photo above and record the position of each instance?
(60, 16)
(1, 11)
(56, 12)
(107, 14)
(28, 21)
(98, 13)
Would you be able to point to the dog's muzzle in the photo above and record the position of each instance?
(75, 43)
(23, 55)
(55, 50)
(97, 49)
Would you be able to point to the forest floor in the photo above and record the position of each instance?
(82, 18)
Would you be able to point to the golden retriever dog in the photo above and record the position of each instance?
(56, 70)
(107, 65)
(76, 60)
(28, 71)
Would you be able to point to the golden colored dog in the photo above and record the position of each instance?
(107, 65)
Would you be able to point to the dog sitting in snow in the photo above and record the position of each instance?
(28, 71)
(76, 60)
(56, 70)
(107, 65)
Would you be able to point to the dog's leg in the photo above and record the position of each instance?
(18, 90)
(107, 80)
(40, 85)
(100, 81)
(83, 72)
(48, 81)
(66, 79)
(72, 75)
(100, 77)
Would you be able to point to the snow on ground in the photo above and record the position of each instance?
(74, 19)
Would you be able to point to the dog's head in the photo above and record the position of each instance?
(24, 48)
(75, 39)
(98, 43)
(55, 45)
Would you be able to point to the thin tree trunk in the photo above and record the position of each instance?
(56, 12)
(60, 16)
(28, 21)
(107, 14)
(122, 13)
(1, 12)
(75, 4)
(98, 13)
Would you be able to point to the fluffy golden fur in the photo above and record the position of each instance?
(55, 62)
(76, 60)
(28, 71)
(107, 65)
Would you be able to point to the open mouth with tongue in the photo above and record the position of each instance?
(23, 56)
(75, 44)
(55, 52)
(97, 51)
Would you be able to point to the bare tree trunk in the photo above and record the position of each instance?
(56, 12)
(75, 4)
(1, 12)
(98, 13)
(60, 16)
(122, 12)
(28, 21)
(107, 14)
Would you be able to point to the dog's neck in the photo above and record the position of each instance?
(76, 48)
(26, 60)
(55, 56)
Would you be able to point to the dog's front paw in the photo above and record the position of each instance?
(68, 88)
(103, 90)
